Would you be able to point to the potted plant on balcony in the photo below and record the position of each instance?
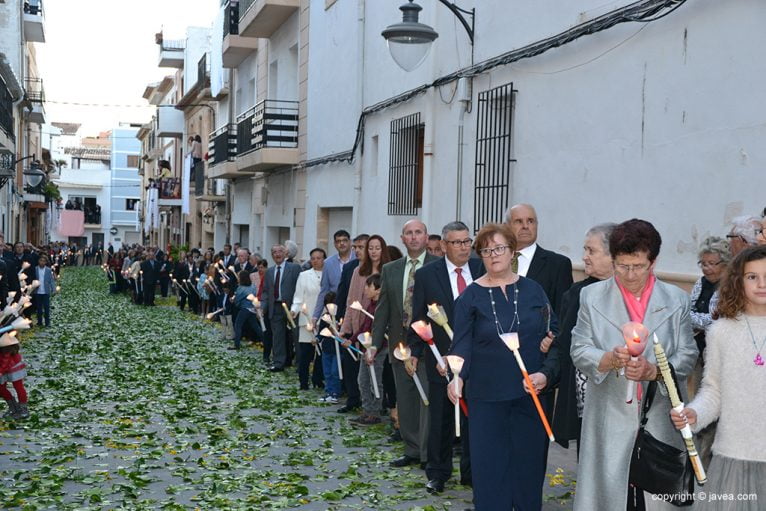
(51, 192)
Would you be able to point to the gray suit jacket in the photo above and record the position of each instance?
(388, 313)
(287, 280)
(609, 424)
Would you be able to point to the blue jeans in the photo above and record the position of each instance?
(43, 304)
(331, 377)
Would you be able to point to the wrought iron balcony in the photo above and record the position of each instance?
(222, 150)
(270, 123)
(267, 136)
(6, 115)
(35, 92)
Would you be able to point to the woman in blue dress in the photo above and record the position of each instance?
(507, 438)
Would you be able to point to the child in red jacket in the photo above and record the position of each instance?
(13, 370)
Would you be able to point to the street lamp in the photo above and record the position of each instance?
(34, 176)
(410, 40)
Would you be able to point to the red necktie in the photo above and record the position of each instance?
(276, 283)
(460, 281)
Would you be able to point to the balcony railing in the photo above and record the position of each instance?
(169, 188)
(35, 90)
(270, 123)
(34, 7)
(6, 111)
(172, 45)
(231, 21)
(198, 178)
(223, 145)
(92, 216)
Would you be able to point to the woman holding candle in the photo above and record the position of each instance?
(304, 300)
(375, 256)
(734, 386)
(506, 435)
(609, 424)
(567, 417)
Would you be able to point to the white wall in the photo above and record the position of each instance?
(662, 121)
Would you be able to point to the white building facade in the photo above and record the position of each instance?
(656, 120)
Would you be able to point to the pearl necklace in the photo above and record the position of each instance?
(515, 320)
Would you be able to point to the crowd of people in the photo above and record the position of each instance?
(28, 280)
(481, 325)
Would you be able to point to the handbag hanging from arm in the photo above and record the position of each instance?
(659, 468)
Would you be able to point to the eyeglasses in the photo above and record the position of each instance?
(735, 236)
(489, 252)
(627, 268)
(456, 243)
(703, 264)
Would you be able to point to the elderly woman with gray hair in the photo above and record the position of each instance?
(567, 415)
(713, 257)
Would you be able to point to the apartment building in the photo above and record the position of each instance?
(24, 164)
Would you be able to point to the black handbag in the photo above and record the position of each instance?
(659, 468)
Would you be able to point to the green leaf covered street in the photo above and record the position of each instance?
(144, 408)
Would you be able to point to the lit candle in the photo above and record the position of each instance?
(635, 335)
(288, 315)
(403, 353)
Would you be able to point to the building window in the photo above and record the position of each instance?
(405, 176)
(133, 161)
(130, 204)
(494, 155)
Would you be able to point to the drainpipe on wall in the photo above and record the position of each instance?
(358, 164)
(465, 88)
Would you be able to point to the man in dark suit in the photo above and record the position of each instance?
(393, 315)
(226, 256)
(181, 271)
(241, 264)
(551, 270)
(441, 282)
(279, 288)
(151, 272)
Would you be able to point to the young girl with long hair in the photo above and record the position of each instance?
(733, 387)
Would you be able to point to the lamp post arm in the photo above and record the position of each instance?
(459, 13)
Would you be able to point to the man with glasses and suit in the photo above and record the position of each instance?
(441, 282)
(279, 288)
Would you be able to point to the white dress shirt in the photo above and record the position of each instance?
(453, 276)
(525, 258)
(41, 279)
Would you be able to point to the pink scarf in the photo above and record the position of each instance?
(637, 310)
(637, 306)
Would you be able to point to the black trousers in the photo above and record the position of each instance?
(307, 354)
(164, 283)
(441, 435)
(350, 377)
(149, 293)
(182, 299)
(193, 301)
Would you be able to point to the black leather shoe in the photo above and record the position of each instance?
(275, 369)
(423, 465)
(435, 486)
(466, 482)
(347, 409)
(404, 461)
(396, 436)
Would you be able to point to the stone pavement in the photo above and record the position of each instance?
(137, 408)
